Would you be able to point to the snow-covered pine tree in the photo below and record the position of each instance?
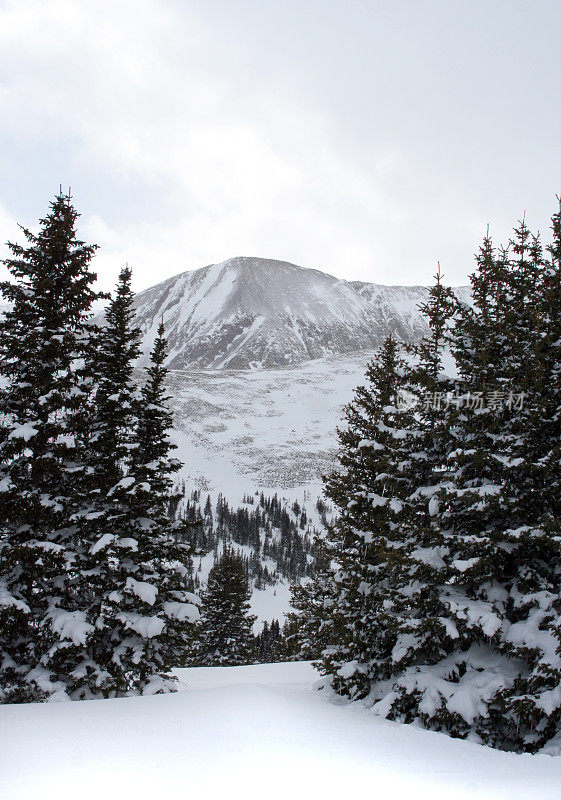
(270, 644)
(379, 459)
(309, 626)
(145, 609)
(496, 579)
(115, 399)
(429, 637)
(526, 713)
(225, 628)
(420, 631)
(105, 518)
(44, 343)
(551, 348)
(410, 603)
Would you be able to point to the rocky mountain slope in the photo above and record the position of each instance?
(273, 429)
(249, 313)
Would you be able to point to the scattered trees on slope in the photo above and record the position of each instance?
(280, 535)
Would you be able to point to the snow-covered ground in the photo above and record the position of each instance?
(273, 429)
(242, 431)
(248, 732)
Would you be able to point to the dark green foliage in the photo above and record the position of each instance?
(114, 419)
(491, 573)
(94, 583)
(504, 552)
(143, 604)
(309, 628)
(46, 384)
(386, 456)
(225, 628)
(446, 613)
(269, 643)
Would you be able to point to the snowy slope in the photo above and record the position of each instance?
(255, 312)
(271, 429)
(248, 732)
(246, 430)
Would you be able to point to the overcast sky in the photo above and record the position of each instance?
(367, 139)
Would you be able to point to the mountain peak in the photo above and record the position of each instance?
(249, 312)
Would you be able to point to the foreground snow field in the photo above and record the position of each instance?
(252, 732)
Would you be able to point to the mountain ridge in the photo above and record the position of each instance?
(248, 312)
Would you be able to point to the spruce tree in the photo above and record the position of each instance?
(44, 346)
(494, 580)
(391, 457)
(270, 645)
(551, 348)
(525, 714)
(463, 635)
(420, 629)
(432, 636)
(309, 625)
(225, 628)
(93, 582)
(110, 422)
(115, 400)
(144, 608)
(347, 604)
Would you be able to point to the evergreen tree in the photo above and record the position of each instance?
(208, 509)
(115, 400)
(44, 347)
(419, 627)
(432, 635)
(225, 630)
(344, 611)
(143, 604)
(309, 626)
(503, 549)
(389, 456)
(270, 644)
(551, 348)
(490, 669)
(462, 636)
(94, 584)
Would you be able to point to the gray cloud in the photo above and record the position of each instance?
(368, 139)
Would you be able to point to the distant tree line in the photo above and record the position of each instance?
(274, 529)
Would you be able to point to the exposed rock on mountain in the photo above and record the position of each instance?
(250, 313)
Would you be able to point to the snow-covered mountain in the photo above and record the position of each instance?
(247, 313)
(263, 357)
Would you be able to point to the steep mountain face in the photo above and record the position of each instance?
(248, 313)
